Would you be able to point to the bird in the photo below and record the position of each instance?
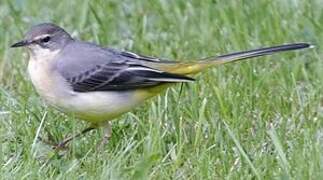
(97, 84)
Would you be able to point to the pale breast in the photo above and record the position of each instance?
(40, 78)
(47, 82)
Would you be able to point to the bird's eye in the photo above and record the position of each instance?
(45, 39)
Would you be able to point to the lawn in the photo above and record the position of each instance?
(256, 119)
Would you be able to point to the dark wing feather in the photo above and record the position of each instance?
(122, 76)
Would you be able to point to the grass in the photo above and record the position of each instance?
(257, 119)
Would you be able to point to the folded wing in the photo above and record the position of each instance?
(122, 76)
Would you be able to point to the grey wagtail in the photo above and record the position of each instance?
(98, 84)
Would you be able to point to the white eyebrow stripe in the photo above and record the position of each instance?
(41, 36)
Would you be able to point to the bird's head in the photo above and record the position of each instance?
(44, 38)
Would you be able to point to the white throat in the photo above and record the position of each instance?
(43, 54)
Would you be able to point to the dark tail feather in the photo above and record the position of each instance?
(257, 52)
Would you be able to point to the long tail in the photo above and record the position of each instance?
(196, 67)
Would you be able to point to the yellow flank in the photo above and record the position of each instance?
(146, 93)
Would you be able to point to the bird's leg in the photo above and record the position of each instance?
(62, 144)
(107, 132)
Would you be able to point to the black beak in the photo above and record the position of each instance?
(21, 44)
